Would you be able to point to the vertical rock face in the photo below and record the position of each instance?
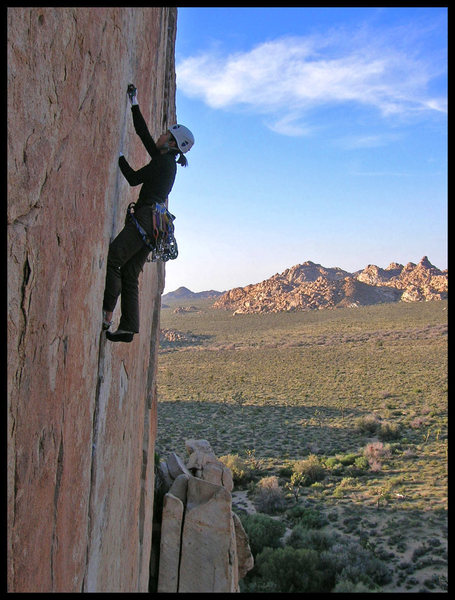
(81, 412)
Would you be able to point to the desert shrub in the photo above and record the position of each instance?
(256, 585)
(295, 484)
(347, 587)
(285, 471)
(361, 462)
(359, 467)
(294, 570)
(367, 423)
(309, 518)
(311, 468)
(351, 562)
(262, 531)
(311, 539)
(332, 463)
(269, 497)
(239, 399)
(375, 452)
(351, 464)
(389, 431)
(347, 459)
(327, 563)
(238, 466)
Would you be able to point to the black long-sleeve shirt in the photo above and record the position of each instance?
(157, 178)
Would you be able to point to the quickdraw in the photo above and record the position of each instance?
(164, 245)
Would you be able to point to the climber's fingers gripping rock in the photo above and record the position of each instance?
(132, 94)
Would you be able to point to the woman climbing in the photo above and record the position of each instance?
(128, 251)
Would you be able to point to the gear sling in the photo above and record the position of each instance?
(164, 245)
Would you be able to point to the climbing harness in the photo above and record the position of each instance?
(163, 245)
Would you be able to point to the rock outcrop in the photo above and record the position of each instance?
(81, 412)
(418, 282)
(311, 286)
(203, 546)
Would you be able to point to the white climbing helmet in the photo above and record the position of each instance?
(183, 137)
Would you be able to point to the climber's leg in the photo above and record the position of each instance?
(126, 258)
(130, 271)
(125, 245)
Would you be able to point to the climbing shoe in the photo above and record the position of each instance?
(120, 336)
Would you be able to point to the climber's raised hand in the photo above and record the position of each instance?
(132, 94)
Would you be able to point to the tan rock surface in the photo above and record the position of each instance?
(171, 533)
(213, 548)
(81, 413)
(206, 539)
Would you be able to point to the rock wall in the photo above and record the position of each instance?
(81, 411)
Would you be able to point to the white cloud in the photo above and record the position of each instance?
(367, 141)
(287, 77)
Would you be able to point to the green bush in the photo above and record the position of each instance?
(332, 462)
(351, 562)
(309, 518)
(326, 563)
(311, 539)
(351, 464)
(361, 463)
(291, 570)
(262, 531)
(311, 468)
(347, 459)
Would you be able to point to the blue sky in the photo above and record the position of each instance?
(321, 134)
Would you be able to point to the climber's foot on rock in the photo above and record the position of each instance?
(107, 319)
(120, 336)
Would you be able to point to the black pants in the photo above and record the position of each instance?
(125, 260)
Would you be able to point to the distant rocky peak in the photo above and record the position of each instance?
(311, 286)
(394, 267)
(426, 264)
(310, 271)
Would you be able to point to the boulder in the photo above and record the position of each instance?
(176, 466)
(212, 545)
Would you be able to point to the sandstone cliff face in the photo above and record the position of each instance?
(81, 412)
(311, 286)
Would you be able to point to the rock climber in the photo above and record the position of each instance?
(128, 252)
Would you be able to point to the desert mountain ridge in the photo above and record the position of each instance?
(183, 293)
(310, 286)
